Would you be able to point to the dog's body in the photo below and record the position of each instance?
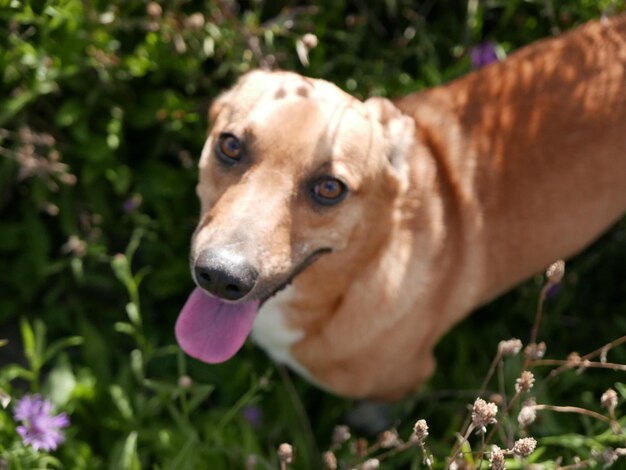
(450, 197)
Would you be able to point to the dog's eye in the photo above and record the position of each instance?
(329, 191)
(228, 148)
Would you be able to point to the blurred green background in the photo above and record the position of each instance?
(102, 118)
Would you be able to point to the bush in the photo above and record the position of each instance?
(102, 116)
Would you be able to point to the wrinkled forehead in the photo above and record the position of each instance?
(286, 105)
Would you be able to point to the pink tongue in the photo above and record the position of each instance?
(211, 330)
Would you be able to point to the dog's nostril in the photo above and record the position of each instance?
(232, 289)
(205, 276)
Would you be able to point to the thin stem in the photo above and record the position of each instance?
(459, 444)
(578, 365)
(504, 414)
(299, 409)
(391, 452)
(604, 349)
(573, 409)
(538, 315)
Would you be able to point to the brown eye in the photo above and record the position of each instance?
(228, 148)
(328, 191)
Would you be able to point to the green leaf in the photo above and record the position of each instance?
(121, 402)
(14, 371)
(199, 393)
(60, 384)
(133, 314)
(137, 363)
(129, 459)
(28, 340)
(124, 327)
(186, 456)
(59, 345)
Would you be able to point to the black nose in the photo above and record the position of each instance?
(225, 274)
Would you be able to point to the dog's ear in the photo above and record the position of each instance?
(398, 129)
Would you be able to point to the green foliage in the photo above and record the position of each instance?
(102, 117)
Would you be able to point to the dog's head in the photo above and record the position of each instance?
(292, 170)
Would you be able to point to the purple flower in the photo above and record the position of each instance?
(39, 428)
(253, 415)
(484, 54)
(132, 203)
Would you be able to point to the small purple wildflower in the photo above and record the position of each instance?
(253, 415)
(39, 428)
(132, 203)
(483, 54)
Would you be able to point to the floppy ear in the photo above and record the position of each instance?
(398, 130)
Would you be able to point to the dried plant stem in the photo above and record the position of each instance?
(481, 452)
(576, 466)
(538, 315)
(492, 368)
(459, 444)
(583, 364)
(426, 459)
(389, 453)
(598, 352)
(504, 413)
(573, 409)
(497, 361)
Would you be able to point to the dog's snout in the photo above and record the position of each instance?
(225, 274)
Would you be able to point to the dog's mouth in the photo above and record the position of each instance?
(213, 330)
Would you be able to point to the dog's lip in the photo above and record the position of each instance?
(308, 261)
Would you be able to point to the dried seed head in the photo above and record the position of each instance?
(341, 434)
(420, 430)
(389, 439)
(285, 453)
(555, 272)
(510, 347)
(251, 462)
(184, 381)
(574, 359)
(527, 414)
(609, 456)
(370, 464)
(483, 413)
(330, 461)
(310, 40)
(535, 351)
(497, 459)
(496, 398)
(524, 447)
(525, 382)
(359, 447)
(609, 399)
(5, 398)
(195, 21)
(154, 9)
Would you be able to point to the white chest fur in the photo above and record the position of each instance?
(271, 332)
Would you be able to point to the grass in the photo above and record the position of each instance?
(94, 248)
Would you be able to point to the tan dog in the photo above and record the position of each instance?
(365, 230)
